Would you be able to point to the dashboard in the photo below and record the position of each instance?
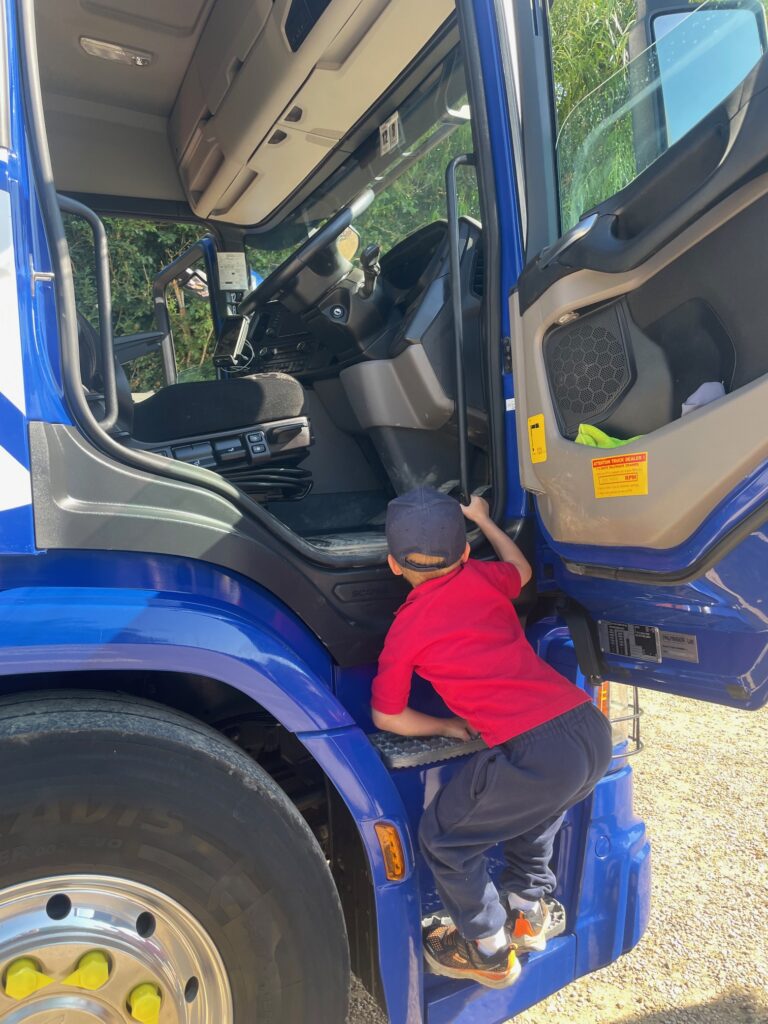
(345, 327)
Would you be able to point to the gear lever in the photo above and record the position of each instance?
(369, 261)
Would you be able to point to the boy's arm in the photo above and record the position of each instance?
(414, 723)
(478, 513)
(391, 689)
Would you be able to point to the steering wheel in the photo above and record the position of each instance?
(280, 278)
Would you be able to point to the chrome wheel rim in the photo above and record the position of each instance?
(77, 949)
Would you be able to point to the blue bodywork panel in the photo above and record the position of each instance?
(602, 857)
(113, 611)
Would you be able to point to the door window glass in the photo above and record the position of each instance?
(138, 250)
(620, 103)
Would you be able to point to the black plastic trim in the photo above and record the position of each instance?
(492, 347)
(465, 160)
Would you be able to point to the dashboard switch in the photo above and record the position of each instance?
(229, 449)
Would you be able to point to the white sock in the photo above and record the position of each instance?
(491, 944)
(521, 903)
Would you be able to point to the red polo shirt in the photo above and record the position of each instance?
(462, 633)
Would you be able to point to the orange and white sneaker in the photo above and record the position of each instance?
(450, 954)
(529, 930)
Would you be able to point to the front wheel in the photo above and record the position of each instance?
(151, 871)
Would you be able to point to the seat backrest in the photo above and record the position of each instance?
(89, 342)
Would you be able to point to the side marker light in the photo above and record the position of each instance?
(392, 851)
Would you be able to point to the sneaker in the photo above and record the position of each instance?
(529, 930)
(448, 953)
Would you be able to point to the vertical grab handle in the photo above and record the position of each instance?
(465, 160)
(104, 299)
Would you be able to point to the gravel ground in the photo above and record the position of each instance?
(701, 787)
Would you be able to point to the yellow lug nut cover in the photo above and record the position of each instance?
(23, 977)
(92, 971)
(144, 1003)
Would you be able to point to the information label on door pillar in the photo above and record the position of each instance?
(537, 438)
(620, 476)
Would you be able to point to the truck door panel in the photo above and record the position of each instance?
(643, 341)
(657, 542)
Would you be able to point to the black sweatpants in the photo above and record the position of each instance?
(516, 793)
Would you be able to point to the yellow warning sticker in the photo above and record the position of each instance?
(537, 438)
(620, 476)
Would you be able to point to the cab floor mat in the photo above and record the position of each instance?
(331, 513)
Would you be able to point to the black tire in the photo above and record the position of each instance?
(117, 786)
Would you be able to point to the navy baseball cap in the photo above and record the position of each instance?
(426, 522)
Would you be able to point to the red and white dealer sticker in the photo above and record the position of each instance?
(620, 476)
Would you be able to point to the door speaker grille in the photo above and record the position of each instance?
(588, 368)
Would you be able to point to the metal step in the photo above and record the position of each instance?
(413, 751)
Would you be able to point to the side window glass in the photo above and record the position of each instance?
(138, 249)
(626, 90)
(189, 310)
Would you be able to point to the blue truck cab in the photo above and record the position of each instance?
(265, 264)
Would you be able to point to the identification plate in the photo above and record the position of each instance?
(629, 641)
(679, 646)
(620, 476)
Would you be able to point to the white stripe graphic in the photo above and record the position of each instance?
(11, 369)
(15, 483)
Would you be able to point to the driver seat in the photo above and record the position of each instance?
(263, 414)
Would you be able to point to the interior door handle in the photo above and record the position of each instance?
(576, 233)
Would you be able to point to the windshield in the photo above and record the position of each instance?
(431, 127)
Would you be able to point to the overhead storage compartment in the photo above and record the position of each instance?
(254, 117)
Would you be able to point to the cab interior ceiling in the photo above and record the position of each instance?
(237, 103)
(231, 113)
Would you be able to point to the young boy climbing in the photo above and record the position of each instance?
(548, 745)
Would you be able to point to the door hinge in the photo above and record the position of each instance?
(506, 347)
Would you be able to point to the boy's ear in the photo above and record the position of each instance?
(394, 566)
(467, 553)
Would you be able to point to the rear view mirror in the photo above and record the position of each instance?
(692, 59)
(702, 57)
(195, 281)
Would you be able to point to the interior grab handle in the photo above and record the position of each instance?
(562, 245)
(464, 160)
(104, 301)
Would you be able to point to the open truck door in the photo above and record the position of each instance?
(650, 284)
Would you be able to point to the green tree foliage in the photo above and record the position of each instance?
(138, 249)
(591, 78)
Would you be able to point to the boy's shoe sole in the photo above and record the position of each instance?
(489, 978)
